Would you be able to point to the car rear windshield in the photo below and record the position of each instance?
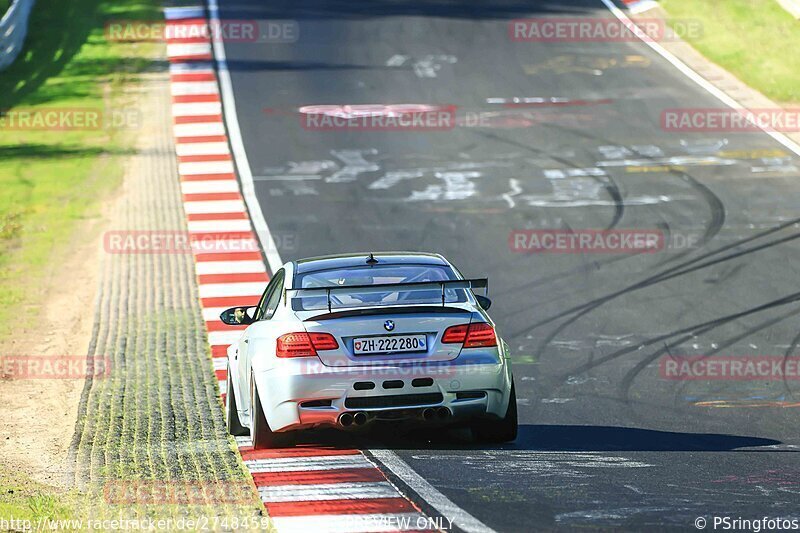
(376, 275)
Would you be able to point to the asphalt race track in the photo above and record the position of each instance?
(605, 441)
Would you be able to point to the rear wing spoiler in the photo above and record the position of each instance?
(442, 286)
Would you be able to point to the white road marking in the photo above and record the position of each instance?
(427, 492)
(516, 189)
(327, 491)
(300, 464)
(691, 74)
(354, 164)
(219, 206)
(396, 60)
(392, 178)
(457, 186)
(557, 173)
(673, 161)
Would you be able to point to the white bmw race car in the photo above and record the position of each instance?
(350, 340)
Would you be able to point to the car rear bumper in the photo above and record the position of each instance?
(304, 393)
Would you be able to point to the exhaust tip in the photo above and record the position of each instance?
(345, 419)
(428, 413)
(443, 413)
(360, 418)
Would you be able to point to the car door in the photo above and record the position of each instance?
(266, 308)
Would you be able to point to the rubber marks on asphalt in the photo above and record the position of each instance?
(304, 488)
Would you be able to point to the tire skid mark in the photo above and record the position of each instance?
(675, 271)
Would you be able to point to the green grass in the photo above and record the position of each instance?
(756, 40)
(24, 499)
(53, 179)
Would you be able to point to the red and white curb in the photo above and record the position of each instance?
(303, 488)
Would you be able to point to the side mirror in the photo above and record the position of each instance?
(483, 301)
(238, 316)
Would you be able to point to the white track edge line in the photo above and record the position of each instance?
(691, 74)
(237, 144)
(449, 510)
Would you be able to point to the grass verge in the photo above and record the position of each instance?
(28, 502)
(51, 179)
(756, 40)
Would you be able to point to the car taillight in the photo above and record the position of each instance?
(480, 334)
(455, 334)
(324, 341)
(304, 344)
(474, 335)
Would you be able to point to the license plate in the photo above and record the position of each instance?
(391, 343)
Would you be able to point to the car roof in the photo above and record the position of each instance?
(326, 262)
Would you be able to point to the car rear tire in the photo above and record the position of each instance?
(232, 421)
(502, 429)
(263, 436)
